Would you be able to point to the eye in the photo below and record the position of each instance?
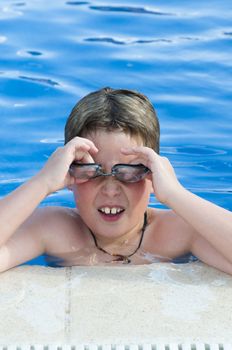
(130, 173)
(84, 171)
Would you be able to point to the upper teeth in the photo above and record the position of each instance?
(108, 210)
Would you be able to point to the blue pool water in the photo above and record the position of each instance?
(177, 53)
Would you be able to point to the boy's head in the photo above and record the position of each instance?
(115, 110)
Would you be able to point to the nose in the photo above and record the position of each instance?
(110, 186)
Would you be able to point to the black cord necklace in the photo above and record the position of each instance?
(119, 257)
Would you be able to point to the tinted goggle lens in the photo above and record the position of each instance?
(130, 173)
(83, 171)
(122, 172)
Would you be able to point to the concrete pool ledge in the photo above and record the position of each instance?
(158, 303)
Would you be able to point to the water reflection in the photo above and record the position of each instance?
(2, 39)
(52, 140)
(194, 150)
(19, 4)
(77, 3)
(6, 12)
(130, 9)
(127, 42)
(40, 80)
(29, 53)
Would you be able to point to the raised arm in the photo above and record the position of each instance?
(211, 225)
(17, 207)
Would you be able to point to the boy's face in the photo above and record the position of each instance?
(95, 197)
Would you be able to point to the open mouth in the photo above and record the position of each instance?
(111, 211)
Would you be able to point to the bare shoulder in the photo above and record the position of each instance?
(49, 230)
(49, 216)
(169, 232)
(59, 227)
(56, 213)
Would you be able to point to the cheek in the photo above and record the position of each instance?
(141, 191)
(83, 194)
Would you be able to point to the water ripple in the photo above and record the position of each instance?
(13, 181)
(204, 37)
(40, 80)
(77, 3)
(106, 40)
(207, 36)
(7, 13)
(189, 38)
(29, 53)
(126, 42)
(210, 190)
(152, 41)
(183, 99)
(193, 150)
(52, 140)
(20, 4)
(137, 10)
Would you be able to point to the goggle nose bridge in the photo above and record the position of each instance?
(101, 173)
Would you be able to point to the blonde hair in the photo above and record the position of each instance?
(109, 109)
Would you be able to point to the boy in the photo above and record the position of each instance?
(111, 163)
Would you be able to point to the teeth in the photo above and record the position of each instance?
(107, 210)
(113, 211)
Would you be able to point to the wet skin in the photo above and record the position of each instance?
(63, 234)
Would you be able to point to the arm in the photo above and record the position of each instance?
(210, 225)
(19, 205)
(17, 208)
(212, 222)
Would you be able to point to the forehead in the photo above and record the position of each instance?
(109, 146)
(117, 139)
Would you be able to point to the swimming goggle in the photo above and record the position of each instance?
(122, 172)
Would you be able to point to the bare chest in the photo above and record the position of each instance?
(161, 242)
(88, 253)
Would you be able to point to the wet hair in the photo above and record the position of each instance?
(115, 110)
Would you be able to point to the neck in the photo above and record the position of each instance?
(122, 241)
(115, 243)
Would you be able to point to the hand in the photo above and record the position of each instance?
(165, 183)
(55, 173)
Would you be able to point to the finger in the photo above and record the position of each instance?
(83, 142)
(79, 152)
(81, 149)
(87, 158)
(145, 155)
(127, 150)
(83, 156)
(137, 150)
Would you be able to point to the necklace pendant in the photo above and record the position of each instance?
(126, 260)
(123, 259)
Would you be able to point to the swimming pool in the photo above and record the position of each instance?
(179, 55)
